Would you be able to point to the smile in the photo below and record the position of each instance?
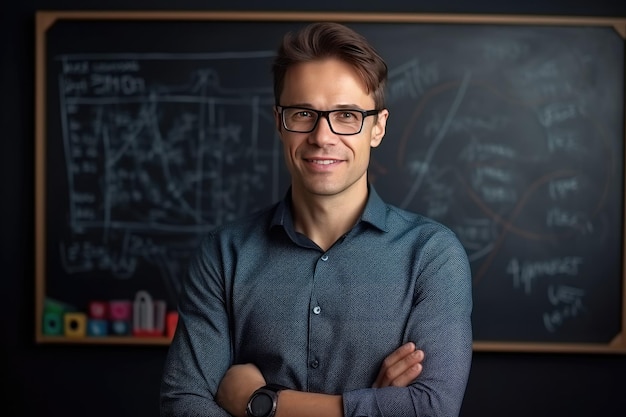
(323, 161)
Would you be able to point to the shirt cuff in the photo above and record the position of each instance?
(360, 403)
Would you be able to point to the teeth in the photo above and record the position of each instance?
(324, 162)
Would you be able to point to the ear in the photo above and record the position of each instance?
(277, 121)
(378, 130)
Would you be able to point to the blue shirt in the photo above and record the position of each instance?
(323, 321)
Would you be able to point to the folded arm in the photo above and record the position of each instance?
(399, 369)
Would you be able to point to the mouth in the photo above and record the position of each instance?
(323, 161)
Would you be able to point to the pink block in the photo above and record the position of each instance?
(98, 310)
(120, 310)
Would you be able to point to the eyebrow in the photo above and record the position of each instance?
(337, 107)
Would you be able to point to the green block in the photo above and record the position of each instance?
(53, 323)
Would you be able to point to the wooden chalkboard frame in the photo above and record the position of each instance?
(46, 19)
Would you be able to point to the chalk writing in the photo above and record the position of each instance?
(555, 113)
(559, 189)
(505, 50)
(568, 304)
(569, 141)
(557, 217)
(411, 80)
(526, 272)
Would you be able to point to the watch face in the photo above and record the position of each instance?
(261, 405)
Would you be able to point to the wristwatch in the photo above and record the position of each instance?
(263, 402)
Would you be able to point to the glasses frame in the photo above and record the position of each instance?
(324, 114)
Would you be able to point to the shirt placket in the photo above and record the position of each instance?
(317, 333)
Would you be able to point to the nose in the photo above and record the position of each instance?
(322, 135)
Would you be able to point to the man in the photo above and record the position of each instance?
(353, 306)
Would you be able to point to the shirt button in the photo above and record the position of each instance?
(324, 257)
(315, 363)
(317, 310)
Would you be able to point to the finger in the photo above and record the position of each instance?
(408, 375)
(399, 363)
(383, 378)
(399, 354)
(404, 364)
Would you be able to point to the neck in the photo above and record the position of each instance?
(325, 218)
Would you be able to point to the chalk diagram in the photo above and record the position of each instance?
(498, 174)
(159, 150)
(511, 156)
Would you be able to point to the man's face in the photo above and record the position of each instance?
(321, 162)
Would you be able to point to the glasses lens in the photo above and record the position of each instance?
(299, 120)
(345, 121)
(342, 122)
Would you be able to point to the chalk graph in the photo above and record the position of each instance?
(156, 160)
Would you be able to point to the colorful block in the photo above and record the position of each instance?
(120, 327)
(53, 323)
(75, 324)
(120, 310)
(148, 316)
(143, 312)
(98, 310)
(97, 327)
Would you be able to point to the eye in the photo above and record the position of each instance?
(303, 114)
(347, 115)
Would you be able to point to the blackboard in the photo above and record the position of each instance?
(153, 128)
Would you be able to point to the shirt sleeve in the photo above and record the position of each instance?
(200, 352)
(440, 325)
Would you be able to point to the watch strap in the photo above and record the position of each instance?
(275, 387)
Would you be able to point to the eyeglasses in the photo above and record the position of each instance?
(341, 122)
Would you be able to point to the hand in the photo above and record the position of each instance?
(401, 367)
(235, 389)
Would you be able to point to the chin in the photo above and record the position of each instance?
(319, 189)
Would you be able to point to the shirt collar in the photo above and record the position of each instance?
(375, 212)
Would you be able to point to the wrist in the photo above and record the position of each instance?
(264, 401)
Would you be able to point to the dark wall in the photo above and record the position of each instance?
(119, 381)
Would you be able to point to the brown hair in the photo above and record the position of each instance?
(332, 40)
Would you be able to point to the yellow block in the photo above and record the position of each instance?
(75, 324)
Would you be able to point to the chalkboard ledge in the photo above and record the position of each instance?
(104, 340)
(617, 346)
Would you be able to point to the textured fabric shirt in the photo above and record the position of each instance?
(323, 321)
